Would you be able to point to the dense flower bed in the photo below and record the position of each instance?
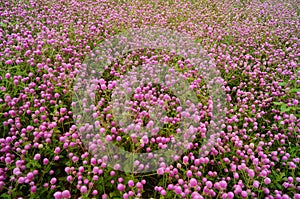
(255, 46)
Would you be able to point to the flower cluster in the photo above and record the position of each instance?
(255, 46)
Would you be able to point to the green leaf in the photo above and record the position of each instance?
(278, 103)
(282, 84)
(113, 195)
(278, 185)
(5, 196)
(284, 108)
(294, 90)
(3, 25)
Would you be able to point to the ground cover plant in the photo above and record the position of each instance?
(254, 45)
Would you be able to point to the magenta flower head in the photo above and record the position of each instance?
(139, 185)
(196, 195)
(83, 189)
(160, 171)
(45, 161)
(58, 195)
(81, 169)
(33, 189)
(95, 192)
(267, 181)
(263, 173)
(7, 75)
(53, 180)
(57, 150)
(9, 62)
(125, 196)
(21, 180)
(209, 184)
(104, 196)
(223, 184)
(178, 190)
(37, 156)
(244, 194)
(193, 182)
(66, 194)
(251, 173)
(297, 196)
(121, 187)
(30, 176)
(256, 184)
(130, 183)
(189, 173)
(185, 159)
(230, 195)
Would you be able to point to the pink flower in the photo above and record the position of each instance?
(263, 173)
(193, 182)
(297, 196)
(130, 183)
(21, 180)
(102, 130)
(81, 169)
(139, 185)
(45, 161)
(189, 173)
(125, 196)
(230, 195)
(223, 184)
(66, 194)
(160, 171)
(267, 181)
(108, 138)
(30, 176)
(95, 192)
(83, 189)
(251, 173)
(58, 195)
(121, 187)
(236, 175)
(185, 159)
(69, 178)
(9, 62)
(7, 75)
(53, 180)
(244, 194)
(256, 184)
(33, 189)
(178, 189)
(37, 156)
(209, 184)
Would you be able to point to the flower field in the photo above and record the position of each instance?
(241, 137)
